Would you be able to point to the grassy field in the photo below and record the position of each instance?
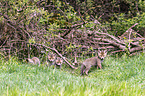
(123, 76)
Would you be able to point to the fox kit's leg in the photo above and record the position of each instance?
(82, 69)
(39, 63)
(87, 69)
(51, 63)
(60, 66)
(55, 65)
(100, 66)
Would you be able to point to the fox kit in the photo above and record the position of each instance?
(58, 62)
(93, 61)
(34, 61)
(51, 58)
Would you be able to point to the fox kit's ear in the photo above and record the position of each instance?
(50, 53)
(105, 51)
(99, 51)
(58, 58)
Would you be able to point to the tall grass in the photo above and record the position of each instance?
(123, 76)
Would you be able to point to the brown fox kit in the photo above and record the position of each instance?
(34, 61)
(58, 62)
(86, 65)
(51, 58)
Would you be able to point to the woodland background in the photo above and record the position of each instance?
(74, 29)
(71, 28)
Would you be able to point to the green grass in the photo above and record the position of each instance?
(123, 76)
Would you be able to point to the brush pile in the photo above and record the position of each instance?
(26, 31)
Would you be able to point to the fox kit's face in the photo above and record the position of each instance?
(59, 61)
(102, 54)
(51, 57)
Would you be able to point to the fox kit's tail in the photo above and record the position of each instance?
(82, 69)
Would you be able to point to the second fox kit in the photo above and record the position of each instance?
(51, 58)
(58, 62)
(34, 61)
(86, 65)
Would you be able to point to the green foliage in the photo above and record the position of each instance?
(31, 40)
(119, 76)
(63, 18)
(17, 9)
(125, 21)
(121, 25)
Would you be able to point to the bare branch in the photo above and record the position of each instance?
(135, 49)
(113, 37)
(111, 42)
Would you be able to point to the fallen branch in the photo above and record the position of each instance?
(134, 53)
(111, 42)
(135, 49)
(69, 30)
